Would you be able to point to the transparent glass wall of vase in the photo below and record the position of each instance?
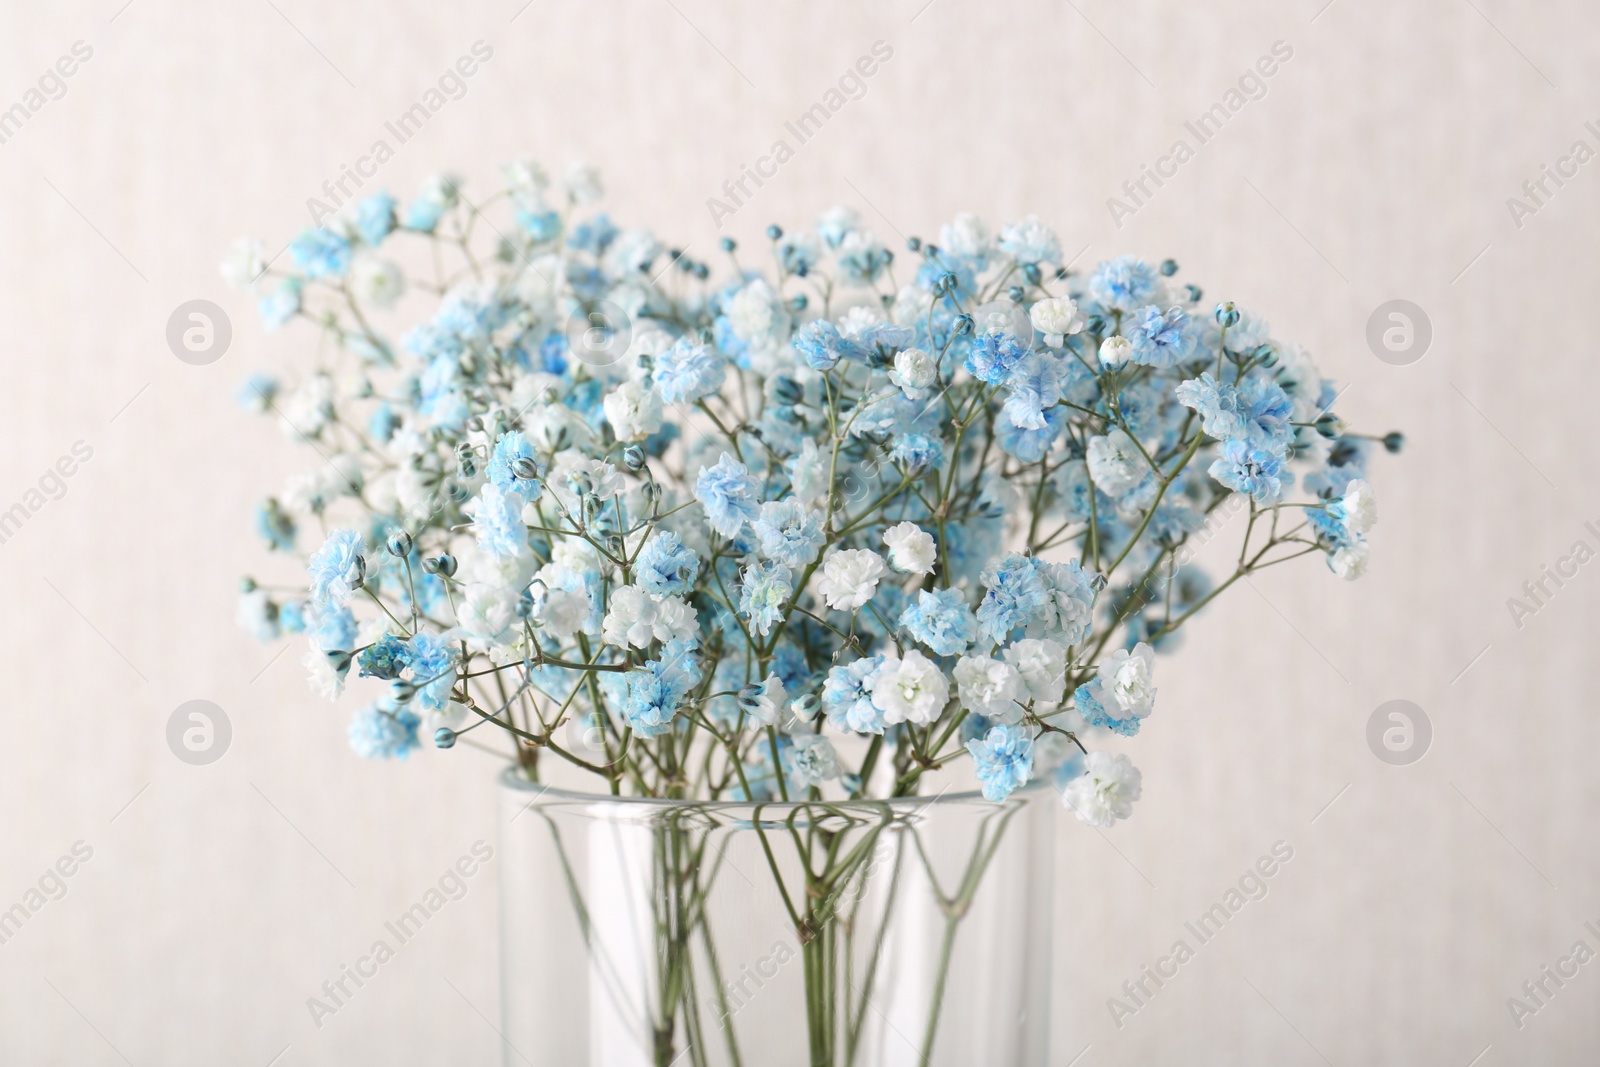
(648, 933)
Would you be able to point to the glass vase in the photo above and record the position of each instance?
(654, 933)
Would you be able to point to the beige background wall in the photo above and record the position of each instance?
(1377, 166)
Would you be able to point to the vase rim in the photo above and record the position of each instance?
(510, 779)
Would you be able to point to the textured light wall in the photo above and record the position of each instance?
(1376, 166)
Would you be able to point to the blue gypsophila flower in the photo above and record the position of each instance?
(1003, 761)
(333, 629)
(379, 732)
(256, 393)
(1267, 412)
(321, 253)
(1030, 446)
(375, 217)
(941, 620)
(384, 658)
(431, 664)
(767, 587)
(688, 371)
(847, 696)
(497, 522)
(335, 569)
(1033, 385)
(821, 345)
(991, 355)
(1097, 708)
(504, 468)
(730, 494)
(1030, 241)
(275, 526)
(1215, 403)
(1016, 596)
(1161, 339)
(809, 760)
(666, 567)
(917, 452)
(1067, 616)
(1124, 284)
(656, 690)
(1262, 474)
(790, 533)
(280, 305)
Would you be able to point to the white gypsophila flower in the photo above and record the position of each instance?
(564, 607)
(1360, 506)
(859, 321)
(1057, 317)
(1105, 791)
(1042, 665)
(764, 704)
(1249, 333)
(583, 183)
(760, 319)
(1115, 351)
(628, 254)
(487, 617)
(593, 475)
(909, 689)
(257, 616)
(1350, 562)
(911, 548)
(675, 620)
(989, 687)
(526, 180)
(1115, 463)
(850, 576)
(1129, 679)
(555, 427)
(645, 344)
(634, 410)
(810, 473)
(324, 680)
(914, 372)
(537, 285)
(244, 263)
(1000, 494)
(965, 235)
(309, 407)
(376, 281)
(1299, 376)
(910, 306)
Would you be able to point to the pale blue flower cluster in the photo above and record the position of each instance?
(818, 526)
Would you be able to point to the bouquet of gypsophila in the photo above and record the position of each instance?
(808, 527)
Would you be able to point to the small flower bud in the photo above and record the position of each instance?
(1169, 267)
(633, 458)
(701, 271)
(1030, 272)
(1227, 314)
(749, 698)
(1265, 356)
(526, 468)
(339, 661)
(1096, 325)
(444, 737)
(1195, 293)
(1393, 442)
(1114, 351)
(963, 325)
(914, 244)
(788, 391)
(774, 232)
(1015, 294)
(727, 244)
(401, 691)
(1330, 425)
(443, 564)
(247, 585)
(399, 544)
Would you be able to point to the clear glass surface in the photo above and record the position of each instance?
(648, 933)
